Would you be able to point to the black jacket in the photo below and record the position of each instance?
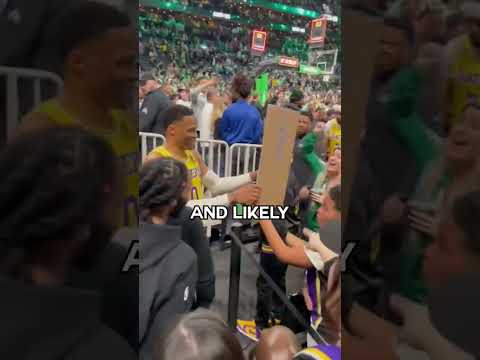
(49, 323)
(152, 112)
(118, 290)
(193, 234)
(168, 278)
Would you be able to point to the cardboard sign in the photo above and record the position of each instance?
(277, 151)
(360, 43)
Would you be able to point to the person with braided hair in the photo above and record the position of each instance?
(59, 195)
(168, 266)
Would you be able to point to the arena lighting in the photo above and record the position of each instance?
(297, 29)
(221, 15)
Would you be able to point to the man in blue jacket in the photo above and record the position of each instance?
(241, 122)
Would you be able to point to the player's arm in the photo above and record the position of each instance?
(150, 157)
(203, 86)
(295, 256)
(218, 185)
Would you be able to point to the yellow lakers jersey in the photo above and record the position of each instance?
(193, 167)
(124, 141)
(465, 79)
(334, 136)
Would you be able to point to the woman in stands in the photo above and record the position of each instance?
(168, 266)
(59, 205)
(199, 335)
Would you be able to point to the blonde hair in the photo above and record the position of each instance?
(217, 112)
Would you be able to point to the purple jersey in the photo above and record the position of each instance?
(313, 288)
(320, 352)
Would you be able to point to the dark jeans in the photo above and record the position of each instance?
(267, 301)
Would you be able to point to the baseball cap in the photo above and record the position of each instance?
(147, 76)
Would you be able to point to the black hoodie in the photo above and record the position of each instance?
(193, 233)
(168, 279)
(50, 323)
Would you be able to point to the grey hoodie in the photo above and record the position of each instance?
(168, 279)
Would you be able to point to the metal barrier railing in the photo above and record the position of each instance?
(223, 159)
(215, 154)
(37, 77)
(244, 158)
(149, 141)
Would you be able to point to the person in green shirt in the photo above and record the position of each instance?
(447, 169)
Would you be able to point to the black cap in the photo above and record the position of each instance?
(147, 76)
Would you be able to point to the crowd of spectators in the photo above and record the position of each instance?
(409, 195)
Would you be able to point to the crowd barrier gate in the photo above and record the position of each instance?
(149, 141)
(13, 77)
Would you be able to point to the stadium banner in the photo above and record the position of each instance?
(261, 87)
(278, 141)
(358, 65)
(310, 70)
(288, 62)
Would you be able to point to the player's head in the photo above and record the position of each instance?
(241, 87)
(331, 206)
(396, 46)
(456, 249)
(463, 142)
(471, 14)
(165, 188)
(181, 127)
(98, 45)
(199, 335)
(60, 193)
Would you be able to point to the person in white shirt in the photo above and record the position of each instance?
(205, 120)
(199, 98)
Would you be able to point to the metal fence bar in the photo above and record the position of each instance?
(13, 76)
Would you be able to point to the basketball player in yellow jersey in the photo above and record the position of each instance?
(181, 135)
(100, 78)
(463, 62)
